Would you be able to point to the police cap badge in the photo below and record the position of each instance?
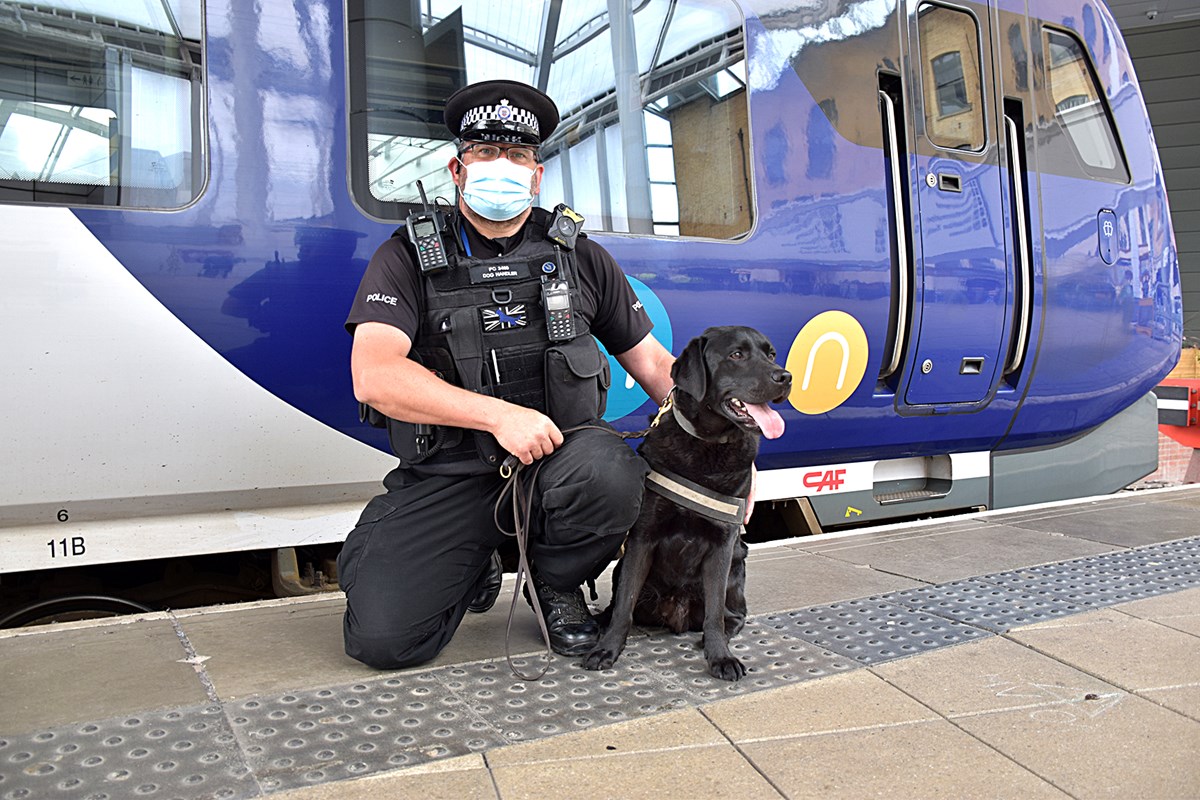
(501, 111)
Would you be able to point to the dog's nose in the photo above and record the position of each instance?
(782, 376)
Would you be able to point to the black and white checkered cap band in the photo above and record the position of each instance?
(502, 112)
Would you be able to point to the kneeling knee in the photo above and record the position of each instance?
(622, 484)
(395, 652)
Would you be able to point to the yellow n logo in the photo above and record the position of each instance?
(829, 357)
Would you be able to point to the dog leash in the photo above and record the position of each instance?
(679, 490)
(522, 504)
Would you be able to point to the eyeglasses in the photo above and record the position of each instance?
(524, 156)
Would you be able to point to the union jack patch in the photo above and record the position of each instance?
(504, 317)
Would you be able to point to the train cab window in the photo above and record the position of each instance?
(953, 88)
(654, 136)
(101, 102)
(1079, 108)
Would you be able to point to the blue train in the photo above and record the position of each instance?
(949, 217)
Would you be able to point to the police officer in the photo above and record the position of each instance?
(469, 363)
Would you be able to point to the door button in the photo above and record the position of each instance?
(1106, 224)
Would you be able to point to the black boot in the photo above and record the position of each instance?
(572, 630)
(487, 589)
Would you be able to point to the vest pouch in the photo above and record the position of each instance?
(577, 381)
(490, 451)
(442, 438)
(403, 438)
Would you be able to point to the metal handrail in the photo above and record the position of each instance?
(1025, 268)
(902, 282)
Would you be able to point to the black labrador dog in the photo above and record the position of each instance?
(684, 567)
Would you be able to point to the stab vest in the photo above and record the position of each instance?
(483, 328)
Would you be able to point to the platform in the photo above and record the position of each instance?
(1049, 651)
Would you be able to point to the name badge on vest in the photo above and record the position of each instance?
(491, 273)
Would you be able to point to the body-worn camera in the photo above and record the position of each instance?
(565, 226)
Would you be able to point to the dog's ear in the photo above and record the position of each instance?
(690, 371)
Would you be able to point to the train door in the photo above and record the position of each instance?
(962, 287)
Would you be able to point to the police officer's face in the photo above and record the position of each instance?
(519, 155)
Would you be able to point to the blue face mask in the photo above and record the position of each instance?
(498, 190)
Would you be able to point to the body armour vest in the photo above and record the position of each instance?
(483, 328)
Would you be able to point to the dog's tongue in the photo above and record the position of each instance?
(768, 419)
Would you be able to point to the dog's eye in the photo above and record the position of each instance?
(737, 355)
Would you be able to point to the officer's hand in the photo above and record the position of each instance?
(527, 434)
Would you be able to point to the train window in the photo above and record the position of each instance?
(655, 130)
(101, 102)
(1079, 108)
(951, 77)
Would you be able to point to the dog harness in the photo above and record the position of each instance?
(687, 494)
(696, 498)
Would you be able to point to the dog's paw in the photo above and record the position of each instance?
(727, 669)
(599, 658)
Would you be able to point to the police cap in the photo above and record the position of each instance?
(501, 111)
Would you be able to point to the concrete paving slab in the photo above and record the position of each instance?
(453, 779)
(673, 730)
(1127, 652)
(1184, 498)
(278, 645)
(1176, 604)
(1127, 524)
(1130, 749)
(1183, 699)
(993, 675)
(1107, 616)
(937, 556)
(1178, 610)
(781, 578)
(923, 759)
(843, 702)
(273, 646)
(898, 532)
(689, 773)
(56, 677)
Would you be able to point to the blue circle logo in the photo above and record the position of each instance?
(625, 396)
(549, 267)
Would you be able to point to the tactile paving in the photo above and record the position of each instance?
(874, 630)
(1174, 564)
(184, 752)
(266, 744)
(772, 655)
(1097, 581)
(305, 738)
(566, 698)
(985, 605)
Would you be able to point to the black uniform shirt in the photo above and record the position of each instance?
(390, 291)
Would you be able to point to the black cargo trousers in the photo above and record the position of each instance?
(410, 566)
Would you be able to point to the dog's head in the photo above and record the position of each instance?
(730, 372)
